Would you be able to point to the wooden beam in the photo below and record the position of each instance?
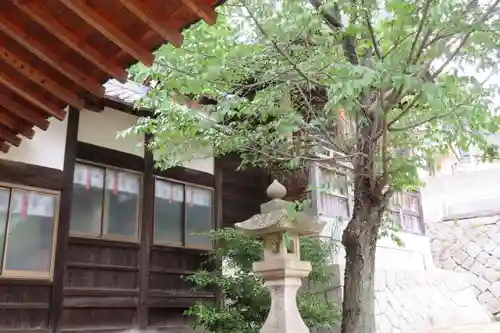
(61, 251)
(72, 40)
(9, 136)
(204, 11)
(39, 78)
(49, 57)
(16, 125)
(142, 12)
(4, 147)
(48, 107)
(106, 28)
(21, 111)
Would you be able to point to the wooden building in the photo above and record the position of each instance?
(92, 237)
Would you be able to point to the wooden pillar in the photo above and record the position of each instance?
(56, 303)
(146, 236)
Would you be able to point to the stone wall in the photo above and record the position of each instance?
(419, 301)
(471, 243)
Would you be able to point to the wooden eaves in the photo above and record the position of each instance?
(55, 53)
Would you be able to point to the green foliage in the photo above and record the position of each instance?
(274, 67)
(247, 300)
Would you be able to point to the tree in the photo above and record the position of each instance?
(247, 300)
(386, 85)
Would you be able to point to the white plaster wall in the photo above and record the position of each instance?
(468, 189)
(414, 255)
(205, 165)
(101, 129)
(45, 149)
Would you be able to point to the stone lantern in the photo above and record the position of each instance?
(280, 227)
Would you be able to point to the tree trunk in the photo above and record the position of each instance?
(359, 240)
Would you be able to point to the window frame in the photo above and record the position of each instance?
(105, 207)
(316, 192)
(184, 211)
(401, 211)
(22, 274)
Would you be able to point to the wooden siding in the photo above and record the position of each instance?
(243, 191)
(107, 286)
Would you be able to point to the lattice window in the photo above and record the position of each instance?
(405, 212)
(332, 194)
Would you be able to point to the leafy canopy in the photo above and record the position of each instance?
(415, 72)
(246, 299)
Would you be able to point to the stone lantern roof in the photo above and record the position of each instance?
(279, 215)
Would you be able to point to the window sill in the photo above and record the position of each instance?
(173, 247)
(29, 281)
(80, 239)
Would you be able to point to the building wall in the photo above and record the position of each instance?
(45, 149)
(415, 254)
(109, 283)
(461, 204)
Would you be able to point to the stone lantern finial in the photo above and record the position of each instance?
(276, 190)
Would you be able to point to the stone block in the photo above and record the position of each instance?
(481, 284)
(495, 289)
(473, 250)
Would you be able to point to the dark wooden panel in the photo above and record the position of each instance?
(100, 292)
(171, 317)
(176, 259)
(19, 293)
(171, 283)
(23, 319)
(103, 279)
(96, 154)
(165, 300)
(107, 254)
(100, 302)
(85, 318)
(243, 191)
(30, 175)
(187, 175)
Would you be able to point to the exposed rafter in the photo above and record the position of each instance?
(9, 136)
(37, 77)
(71, 39)
(33, 98)
(105, 27)
(59, 53)
(23, 112)
(51, 58)
(204, 11)
(4, 147)
(142, 12)
(15, 124)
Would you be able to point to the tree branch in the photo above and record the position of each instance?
(278, 49)
(372, 35)
(425, 13)
(333, 20)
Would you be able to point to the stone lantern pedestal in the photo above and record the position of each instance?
(280, 227)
